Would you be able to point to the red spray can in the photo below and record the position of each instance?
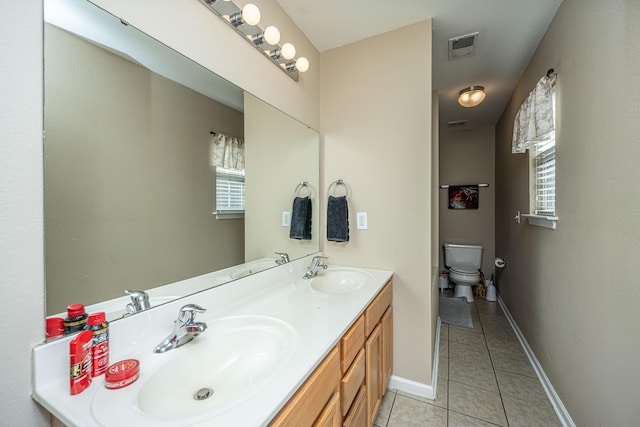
(98, 325)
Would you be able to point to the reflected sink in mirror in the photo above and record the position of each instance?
(224, 366)
(117, 308)
(335, 280)
(252, 268)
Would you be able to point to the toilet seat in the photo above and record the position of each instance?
(464, 269)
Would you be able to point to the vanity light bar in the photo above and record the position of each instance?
(245, 22)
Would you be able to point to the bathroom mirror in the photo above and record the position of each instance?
(129, 180)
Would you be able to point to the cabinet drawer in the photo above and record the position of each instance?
(358, 415)
(306, 405)
(379, 305)
(351, 343)
(351, 382)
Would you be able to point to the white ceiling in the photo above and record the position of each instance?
(510, 31)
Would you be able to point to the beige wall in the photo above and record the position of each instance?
(435, 217)
(21, 207)
(376, 130)
(573, 291)
(130, 189)
(467, 157)
(280, 153)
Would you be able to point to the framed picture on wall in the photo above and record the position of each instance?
(463, 197)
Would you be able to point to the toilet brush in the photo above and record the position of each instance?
(491, 291)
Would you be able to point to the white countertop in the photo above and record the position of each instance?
(319, 321)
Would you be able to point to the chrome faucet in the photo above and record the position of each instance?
(139, 301)
(184, 329)
(316, 264)
(284, 258)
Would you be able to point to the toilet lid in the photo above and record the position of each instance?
(464, 268)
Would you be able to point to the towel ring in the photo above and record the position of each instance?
(300, 187)
(335, 185)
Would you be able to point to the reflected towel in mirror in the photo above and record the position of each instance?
(301, 219)
(337, 219)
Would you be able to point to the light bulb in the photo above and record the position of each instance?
(288, 51)
(302, 64)
(271, 35)
(251, 14)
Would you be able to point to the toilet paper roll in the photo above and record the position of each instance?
(500, 263)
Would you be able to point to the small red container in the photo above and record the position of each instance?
(55, 328)
(122, 374)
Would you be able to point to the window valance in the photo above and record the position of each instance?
(534, 122)
(228, 152)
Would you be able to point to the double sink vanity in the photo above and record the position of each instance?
(133, 211)
(277, 349)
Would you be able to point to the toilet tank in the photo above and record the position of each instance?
(470, 255)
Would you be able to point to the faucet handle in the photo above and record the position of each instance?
(284, 258)
(139, 301)
(187, 313)
(316, 261)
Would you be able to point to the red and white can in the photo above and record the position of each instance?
(98, 325)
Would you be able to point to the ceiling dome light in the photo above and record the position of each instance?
(272, 35)
(302, 64)
(251, 14)
(471, 96)
(288, 51)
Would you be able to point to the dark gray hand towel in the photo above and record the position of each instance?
(337, 219)
(301, 219)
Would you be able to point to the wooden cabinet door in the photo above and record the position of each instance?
(304, 408)
(330, 416)
(387, 347)
(373, 380)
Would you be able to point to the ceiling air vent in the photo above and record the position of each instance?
(463, 46)
(456, 123)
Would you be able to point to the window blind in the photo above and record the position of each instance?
(545, 178)
(230, 191)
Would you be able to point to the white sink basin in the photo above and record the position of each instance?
(233, 359)
(252, 268)
(337, 280)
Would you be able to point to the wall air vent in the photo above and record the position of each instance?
(456, 123)
(463, 46)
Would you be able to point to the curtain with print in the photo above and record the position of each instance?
(534, 122)
(228, 152)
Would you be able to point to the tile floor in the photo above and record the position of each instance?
(484, 379)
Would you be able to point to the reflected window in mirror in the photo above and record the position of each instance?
(228, 159)
(229, 193)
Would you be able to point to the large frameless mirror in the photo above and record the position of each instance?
(130, 177)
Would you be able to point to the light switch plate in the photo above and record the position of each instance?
(286, 219)
(361, 221)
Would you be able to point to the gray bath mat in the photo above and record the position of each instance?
(455, 311)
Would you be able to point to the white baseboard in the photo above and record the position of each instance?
(558, 406)
(412, 387)
(428, 391)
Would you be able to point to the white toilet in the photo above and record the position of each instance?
(464, 262)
